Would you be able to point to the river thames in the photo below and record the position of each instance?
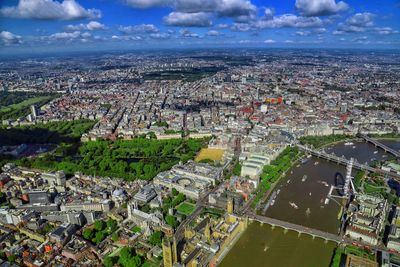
(305, 185)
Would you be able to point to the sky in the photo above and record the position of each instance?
(88, 25)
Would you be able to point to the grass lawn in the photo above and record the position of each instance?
(22, 109)
(153, 262)
(360, 252)
(136, 229)
(214, 212)
(210, 153)
(26, 103)
(115, 252)
(370, 189)
(337, 256)
(186, 208)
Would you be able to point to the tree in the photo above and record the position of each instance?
(167, 200)
(99, 225)
(171, 220)
(155, 238)
(12, 258)
(178, 199)
(128, 258)
(88, 234)
(146, 208)
(112, 225)
(98, 237)
(174, 192)
(109, 261)
(115, 237)
(237, 169)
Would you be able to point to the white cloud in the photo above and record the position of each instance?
(269, 41)
(49, 10)
(94, 25)
(361, 40)
(9, 38)
(320, 7)
(160, 35)
(148, 3)
(68, 37)
(65, 35)
(213, 33)
(269, 13)
(86, 35)
(142, 28)
(126, 38)
(240, 10)
(91, 26)
(320, 30)
(242, 27)
(362, 23)
(235, 8)
(359, 22)
(201, 19)
(303, 33)
(222, 26)
(385, 30)
(290, 21)
(245, 41)
(188, 34)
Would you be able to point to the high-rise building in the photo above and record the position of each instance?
(34, 111)
(169, 252)
(207, 232)
(264, 108)
(230, 205)
(4, 87)
(343, 107)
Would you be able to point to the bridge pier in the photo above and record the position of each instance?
(298, 234)
(272, 226)
(285, 231)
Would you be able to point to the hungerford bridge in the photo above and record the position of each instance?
(342, 160)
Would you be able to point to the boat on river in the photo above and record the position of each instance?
(325, 183)
(305, 160)
(308, 211)
(293, 205)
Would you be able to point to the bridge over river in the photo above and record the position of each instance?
(344, 161)
(295, 227)
(339, 239)
(380, 145)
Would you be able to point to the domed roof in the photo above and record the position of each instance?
(118, 192)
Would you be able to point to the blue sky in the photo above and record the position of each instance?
(61, 25)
